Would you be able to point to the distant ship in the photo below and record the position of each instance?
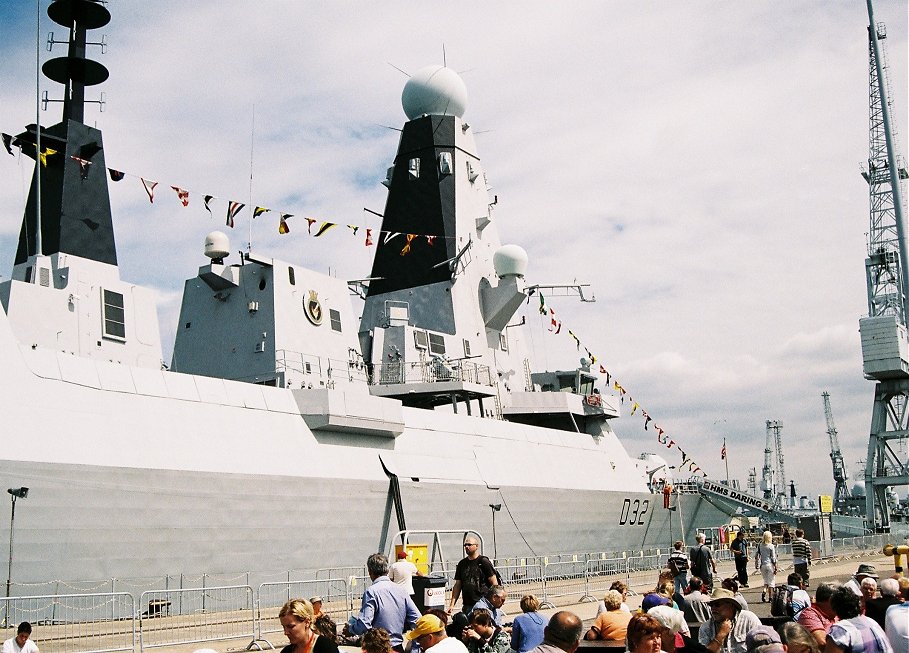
(285, 434)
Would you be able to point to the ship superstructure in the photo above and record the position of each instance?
(279, 410)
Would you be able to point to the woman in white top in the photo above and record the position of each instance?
(765, 561)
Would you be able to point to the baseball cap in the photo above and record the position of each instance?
(428, 623)
(652, 600)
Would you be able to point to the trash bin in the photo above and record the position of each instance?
(429, 592)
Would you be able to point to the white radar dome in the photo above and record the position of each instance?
(436, 90)
(217, 245)
(510, 261)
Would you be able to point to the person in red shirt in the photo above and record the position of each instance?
(818, 617)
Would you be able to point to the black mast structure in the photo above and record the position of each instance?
(69, 156)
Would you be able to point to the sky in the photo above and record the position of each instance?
(696, 162)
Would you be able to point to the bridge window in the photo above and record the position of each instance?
(436, 344)
(335, 318)
(114, 315)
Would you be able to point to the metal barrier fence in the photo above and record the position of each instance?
(335, 595)
(207, 614)
(75, 623)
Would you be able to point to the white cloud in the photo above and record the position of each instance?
(696, 162)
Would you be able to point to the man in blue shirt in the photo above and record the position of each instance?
(492, 603)
(385, 605)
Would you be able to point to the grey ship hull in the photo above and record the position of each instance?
(89, 522)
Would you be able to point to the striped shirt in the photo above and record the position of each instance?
(859, 635)
(801, 551)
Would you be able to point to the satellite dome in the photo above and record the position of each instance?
(434, 90)
(858, 490)
(510, 261)
(217, 245)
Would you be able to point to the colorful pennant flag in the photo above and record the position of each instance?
(182, 195)
(149, 188)
(83, 166)
(283, 228)
(115, 175)
(205, 200)
(46, 153)
(406, 249)
(259, 210)
(324, 228)
(369, 242)
(233, 208)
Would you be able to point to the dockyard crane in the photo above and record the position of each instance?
(885, 342)
(840, 475)
(780, 467)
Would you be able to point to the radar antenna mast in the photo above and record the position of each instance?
(885, 343)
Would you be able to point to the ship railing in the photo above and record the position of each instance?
(432, 371)
(75, 623)
(335, 594)
(327, 370)
(208, 614)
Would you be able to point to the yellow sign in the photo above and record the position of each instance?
(825, 501)
(417, 554)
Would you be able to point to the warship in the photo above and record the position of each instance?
(303, 421)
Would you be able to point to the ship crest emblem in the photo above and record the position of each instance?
(313, 308)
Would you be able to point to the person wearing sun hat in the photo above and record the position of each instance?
(863, 572)
(429, 632)
(729, 624)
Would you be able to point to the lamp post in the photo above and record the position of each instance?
(15, 493)
(496, 507)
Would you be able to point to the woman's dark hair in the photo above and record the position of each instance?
(325, 626)
(730, 584)
(845, 603)
(641, 626)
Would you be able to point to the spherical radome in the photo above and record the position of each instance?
(217, 245)
(510, 260)
(434, 90)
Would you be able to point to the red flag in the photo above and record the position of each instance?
(368, 237)
(723, 450)
(309, 223)
(182, 195)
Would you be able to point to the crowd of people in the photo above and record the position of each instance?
(682, 614)
(685, 612)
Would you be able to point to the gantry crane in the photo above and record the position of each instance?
(840, 475)
(885, 342)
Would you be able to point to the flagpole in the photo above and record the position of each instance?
(726, 458)
(38, 244)
(252, 145)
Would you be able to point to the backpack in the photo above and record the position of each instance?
(484, 581)
(781, 603)
(494, 571)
